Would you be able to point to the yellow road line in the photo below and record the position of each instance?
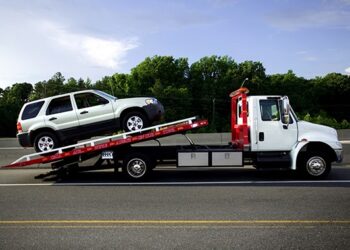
(174, 222)
(156, 226)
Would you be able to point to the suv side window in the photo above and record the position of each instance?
(269, 110)
(31, 110)
(86, 100)
(59, 105)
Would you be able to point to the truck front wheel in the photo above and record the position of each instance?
(315, 165)
(137, 166)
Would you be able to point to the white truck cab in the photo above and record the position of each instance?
(277, 137)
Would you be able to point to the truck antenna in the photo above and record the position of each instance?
(245, 80)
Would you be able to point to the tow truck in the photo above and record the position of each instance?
(265, 133)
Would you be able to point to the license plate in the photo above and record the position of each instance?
(107, 155)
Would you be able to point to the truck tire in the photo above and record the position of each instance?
(315, 165)
(134, 120)
(137, 166)
(45, 141)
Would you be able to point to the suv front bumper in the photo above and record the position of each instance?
(154, 111)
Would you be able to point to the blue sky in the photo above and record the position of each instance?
(94, 38)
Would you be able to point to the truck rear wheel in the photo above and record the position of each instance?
(137, 166)
(315, 165)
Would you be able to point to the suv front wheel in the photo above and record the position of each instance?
(134, 121)
(45, 141)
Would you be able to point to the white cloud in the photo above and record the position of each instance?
(347, 70)
(100, 52)
(310, 58)
(34, 49)
(306, 56)
(296, 20)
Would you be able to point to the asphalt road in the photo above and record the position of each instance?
(225, 209)
(222, 209)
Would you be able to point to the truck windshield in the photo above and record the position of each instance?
(294, 115)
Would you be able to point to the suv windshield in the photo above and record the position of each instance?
(106, 95)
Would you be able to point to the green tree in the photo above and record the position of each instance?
(211, 81)
(11, 101)
(165, 78)
(298, 89)
(166, 69)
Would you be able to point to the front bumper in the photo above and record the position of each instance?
(339, 155)
(154, 111)
(24, 140)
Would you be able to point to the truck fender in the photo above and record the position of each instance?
(323, 146)
(295, 152)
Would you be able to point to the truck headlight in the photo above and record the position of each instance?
(151, 101)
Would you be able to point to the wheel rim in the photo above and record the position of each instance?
(134, 123)
(136, 168)
(46, 143)
(316, 166)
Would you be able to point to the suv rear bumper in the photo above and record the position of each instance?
(24, 140)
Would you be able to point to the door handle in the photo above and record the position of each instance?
(52, 119)
(261, 136)
(84, 112)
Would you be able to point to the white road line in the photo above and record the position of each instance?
(173, 183)
(12, 148)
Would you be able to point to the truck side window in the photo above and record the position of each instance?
(86, 100)
(269, 110)
(59, 105)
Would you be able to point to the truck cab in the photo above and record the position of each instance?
(277, 138)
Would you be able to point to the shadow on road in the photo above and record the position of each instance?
(230, 177)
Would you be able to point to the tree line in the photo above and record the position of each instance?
(201, 88)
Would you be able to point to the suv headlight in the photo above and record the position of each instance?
(151, 101)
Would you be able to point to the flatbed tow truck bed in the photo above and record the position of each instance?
(80, 152)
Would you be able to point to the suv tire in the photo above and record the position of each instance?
(45, 141)
(133, 121)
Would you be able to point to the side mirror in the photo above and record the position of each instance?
(285, 110)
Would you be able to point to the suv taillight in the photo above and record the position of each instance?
(19, 127)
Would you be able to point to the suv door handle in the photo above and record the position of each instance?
(52, 119)
(84, 112)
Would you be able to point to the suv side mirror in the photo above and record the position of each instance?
(285, 110)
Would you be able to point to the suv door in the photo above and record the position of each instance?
(61, 116)
(95, 113)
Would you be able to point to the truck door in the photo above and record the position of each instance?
(273, 135)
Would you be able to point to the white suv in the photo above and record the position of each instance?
(64, 119)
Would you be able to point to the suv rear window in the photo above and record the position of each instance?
(31, 110)
(59, 105)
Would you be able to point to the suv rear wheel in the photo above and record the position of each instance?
(45, 141)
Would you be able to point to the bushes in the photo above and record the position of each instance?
(324, 119)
